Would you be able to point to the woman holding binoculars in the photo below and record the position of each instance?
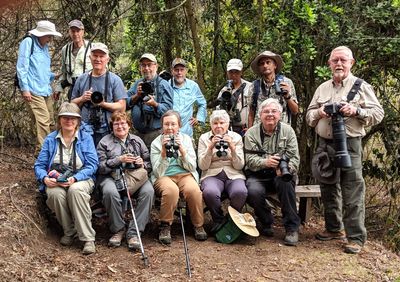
(124, 161)
(221, 159)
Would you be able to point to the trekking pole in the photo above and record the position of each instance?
(182, 205)
(144, 257)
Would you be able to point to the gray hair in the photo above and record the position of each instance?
(268, 102)
(346, 49)
(218, 115)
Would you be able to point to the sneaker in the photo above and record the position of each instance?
(115, 240)
(165, 234)
(200, 234)
(67, 240)
(291, 238)
(267, 231)
(133, 243)
(89, 248)
(328, 235)
(352, 248)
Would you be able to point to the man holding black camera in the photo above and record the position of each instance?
(98, 93)
(271, 84)
(186, 94)
(347, 98)
(234, 97)
(75, 59)
(148, 99)
(272, 160)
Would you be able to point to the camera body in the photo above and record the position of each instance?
(342, 157)
(284, 167)
(277, 85)
(147, 89)
(172, 148)
(130, 166)
(222, 146)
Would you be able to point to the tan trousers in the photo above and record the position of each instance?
(72, 208)
(169, 188)
(42, 109)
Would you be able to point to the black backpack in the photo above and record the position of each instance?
(16, 81)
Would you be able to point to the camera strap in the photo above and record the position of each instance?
(235, 96)
(72, 160)
(106, 83)
(68, 52)
(354, 89)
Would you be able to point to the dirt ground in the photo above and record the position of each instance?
(30, 250)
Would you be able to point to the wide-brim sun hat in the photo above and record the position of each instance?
(45, 28)
(244, 221)
(267, 54)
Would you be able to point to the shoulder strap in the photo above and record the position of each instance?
(84, 58)
(354, 89)
(254, 98)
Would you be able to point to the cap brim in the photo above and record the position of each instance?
(244, 222)
(69, 115)
(40, 34)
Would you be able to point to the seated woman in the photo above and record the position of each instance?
(174, 173)
(65, 168)
(221, 159)
(123, 150)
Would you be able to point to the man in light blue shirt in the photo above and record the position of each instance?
(35, 76)
(186, 94)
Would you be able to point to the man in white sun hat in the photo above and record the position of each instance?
(35, 76)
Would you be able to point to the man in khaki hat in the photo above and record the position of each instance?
(75, 57)
(148, 99)
(98, 93)
(186, 94)
(239, 89)
(35, 76)
(271, 84)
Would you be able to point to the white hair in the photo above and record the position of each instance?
(268, 102)
(346, 49)
(219, 115)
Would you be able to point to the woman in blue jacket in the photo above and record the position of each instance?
(65, 169)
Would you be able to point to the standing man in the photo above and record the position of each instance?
(98, 93)
(272, 161)
(75, 57)
(344, 198)
(271, 84)
(186, 94)
(149, 98)
(238, 89)
(35, 76)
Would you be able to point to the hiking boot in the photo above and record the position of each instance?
(328, 235)
(89, 248)
(200, 234)
(67, 240)
(165, 234)
(115, 240)
(352, 248)
(267, 231)
(133, 243)
(291, 238)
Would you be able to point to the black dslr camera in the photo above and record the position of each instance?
(172, 148)
(277, 84)
(96, 97)
(284, 167)
(221, 146)
(225, 101)
(342, 157)
(147, 89)
(67, 174)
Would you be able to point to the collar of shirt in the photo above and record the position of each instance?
(183, 86)
(59, 136)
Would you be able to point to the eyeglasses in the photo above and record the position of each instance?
(268, 112)
(148, 65)
(336, 61)
(116, 124)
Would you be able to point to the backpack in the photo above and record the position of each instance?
(16, 81)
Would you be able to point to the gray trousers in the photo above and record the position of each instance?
(112, 201)
(344, 202)
(72, 208)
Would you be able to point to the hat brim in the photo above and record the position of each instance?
(323, 168)
(69, 114)
(278, 60)
(37, 33)
(234, 68)
(244, 222)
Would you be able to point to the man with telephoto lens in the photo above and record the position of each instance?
(238, 96)
(343, 194)
(98, 93)
(271, 84)
(148, 99)
(272, 161)
(75, 58)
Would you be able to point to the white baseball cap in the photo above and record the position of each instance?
(234, 64)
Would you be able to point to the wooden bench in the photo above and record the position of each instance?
(305, 193)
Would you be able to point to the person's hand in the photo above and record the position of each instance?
(127, 158)
(193, 121)
(71, 180)
(138, 161)
(229, 140)
(87, 95)
(286, 87)
(151, 102)
(321, 112)
(272, 161)
(27, 96)
(348, 110)
(56, 95)
(50, 182)
(214, 140)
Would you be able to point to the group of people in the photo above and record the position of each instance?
(250, 152)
